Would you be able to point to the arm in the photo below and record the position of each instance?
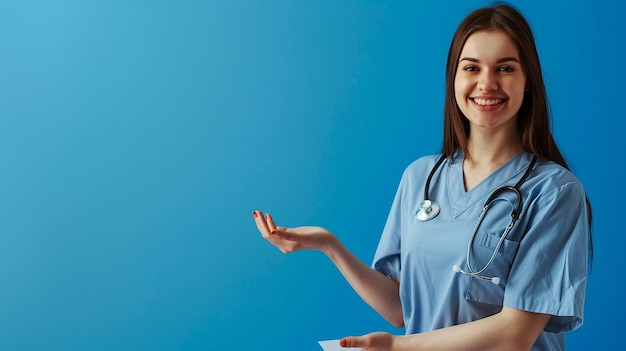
(378, 291)
(510, 329)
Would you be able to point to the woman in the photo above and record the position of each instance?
(514, 279)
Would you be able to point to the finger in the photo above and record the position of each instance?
(350, 341)
(261, 224)
(270, 222)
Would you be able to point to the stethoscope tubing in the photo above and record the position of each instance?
(429, 209)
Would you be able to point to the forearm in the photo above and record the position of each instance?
(381, 293)
(378, 291)
(508, 330)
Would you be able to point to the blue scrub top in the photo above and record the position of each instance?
(542, 263)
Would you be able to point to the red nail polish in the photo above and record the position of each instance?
(254, 214)
(273, 231)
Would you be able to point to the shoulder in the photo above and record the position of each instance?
(551, 174)
(416, 173)
(551, 179)
(421, 166)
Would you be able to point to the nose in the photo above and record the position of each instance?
(487, 81)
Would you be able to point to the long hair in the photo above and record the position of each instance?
(533, 118)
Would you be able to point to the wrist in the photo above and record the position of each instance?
(399, 343)
(331, 246)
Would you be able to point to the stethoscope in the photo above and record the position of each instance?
(429, 209)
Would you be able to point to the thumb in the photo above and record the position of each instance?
(285, 233)
(352, 341)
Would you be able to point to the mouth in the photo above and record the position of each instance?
(487, 102)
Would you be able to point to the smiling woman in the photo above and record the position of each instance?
(495, 103)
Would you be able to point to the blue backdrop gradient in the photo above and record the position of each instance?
(137, 137)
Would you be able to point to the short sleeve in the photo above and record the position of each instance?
(387, 256)
(549, 274)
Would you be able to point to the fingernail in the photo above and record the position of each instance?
(273, 232)
(254, 214)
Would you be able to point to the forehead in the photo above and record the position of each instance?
(489, 45)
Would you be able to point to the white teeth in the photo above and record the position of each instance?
(488, 102)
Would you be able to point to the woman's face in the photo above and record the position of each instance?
(489, 83)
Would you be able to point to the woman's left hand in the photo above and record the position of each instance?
(379, 341)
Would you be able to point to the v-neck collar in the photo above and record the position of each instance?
(507, 174)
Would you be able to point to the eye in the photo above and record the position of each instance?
(470, 68)
(506, 68)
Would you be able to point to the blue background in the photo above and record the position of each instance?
(137, 137)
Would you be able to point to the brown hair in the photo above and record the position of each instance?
(533, 118)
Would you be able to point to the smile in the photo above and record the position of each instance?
(487, 102)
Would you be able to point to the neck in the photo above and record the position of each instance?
(487, 154)
(493, 150)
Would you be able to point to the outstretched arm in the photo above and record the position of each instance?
(378, 291)
(510, 329)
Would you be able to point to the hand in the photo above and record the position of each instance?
(292, 239)
(379, 341)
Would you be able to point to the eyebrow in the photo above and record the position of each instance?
(504, 59)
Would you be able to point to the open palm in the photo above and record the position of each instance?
(291, 239)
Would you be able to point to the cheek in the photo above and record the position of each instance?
(516, 92)
(459, 91)
(516, 85)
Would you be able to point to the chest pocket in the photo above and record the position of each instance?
(484, 246)
(485, 291)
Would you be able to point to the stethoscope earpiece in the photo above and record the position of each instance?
(457, 269)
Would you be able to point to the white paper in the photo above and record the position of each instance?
(333, 345)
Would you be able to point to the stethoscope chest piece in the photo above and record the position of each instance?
(427, 211)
